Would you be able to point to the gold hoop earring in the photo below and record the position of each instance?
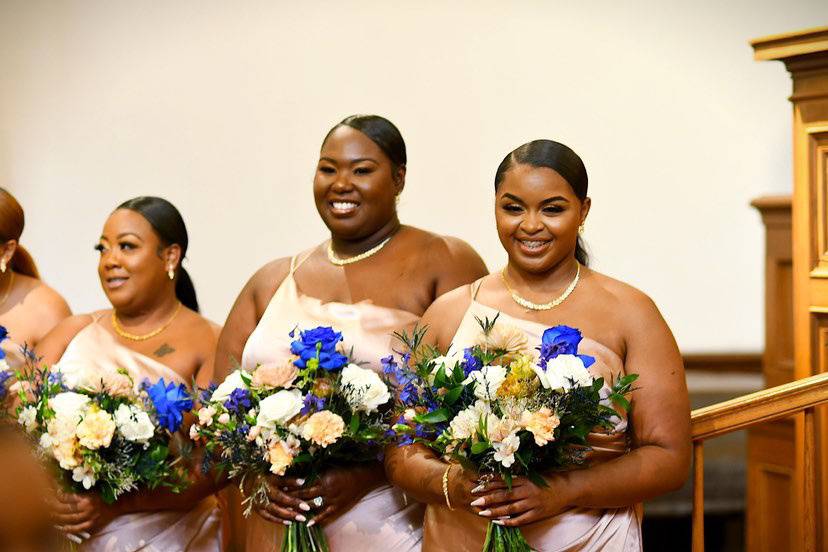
(581, 230)
(171, 274)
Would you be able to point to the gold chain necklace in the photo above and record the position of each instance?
(133, 337)
(544, 306)
(8, 289)
(342, 262)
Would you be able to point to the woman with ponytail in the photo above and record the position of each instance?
(153, 330)
(28, 307)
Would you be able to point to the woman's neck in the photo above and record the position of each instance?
(350, 248)
(549, 281)
(156, 312)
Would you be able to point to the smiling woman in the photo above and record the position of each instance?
(373, 277)
(152, 331)
(540, 204)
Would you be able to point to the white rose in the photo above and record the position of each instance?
(134, 424)
(487, 381)
(363, 388)
(28, 418)
(232, 382)
(562, 371)
(69, 405)
(280, 407)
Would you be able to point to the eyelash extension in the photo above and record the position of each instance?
(98, 247)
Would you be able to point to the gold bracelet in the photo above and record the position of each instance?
(445, 487)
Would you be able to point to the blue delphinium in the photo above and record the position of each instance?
(170, 402)
(312, 404)
(470, 362)
(319, 341)
(4, 375)
(206, 394)
(561, 340)
(238, 402)
(4, 334)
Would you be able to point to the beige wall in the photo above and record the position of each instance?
(221, 107)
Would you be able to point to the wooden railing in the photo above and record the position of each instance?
(763, 406)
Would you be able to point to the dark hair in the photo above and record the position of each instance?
(12, 221)
(382, 132)
(169, 225)
(561, 159)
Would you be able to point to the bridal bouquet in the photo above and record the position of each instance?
(504, 409)
(104, 433)
(314, 410)
(5, 372)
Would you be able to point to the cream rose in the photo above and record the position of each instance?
(564, 372)
(279, 408)
(275, 375)
(363, 388)
(96, 429)
(232, 382)
(323, 428)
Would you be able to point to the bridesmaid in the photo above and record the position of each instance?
(541, 206)
(373, 277)
(28, 307)
(153, 330)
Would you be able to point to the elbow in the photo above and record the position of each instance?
(677, 469)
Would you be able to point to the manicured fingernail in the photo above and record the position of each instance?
(85, 535)
(503, 517)
(300, 517)
(477, 489)
(74, 538)
(300, 482)
(303, 506)
(311, 523)
(486, 513)
(497, 522)
(286, 522)
(479, 501)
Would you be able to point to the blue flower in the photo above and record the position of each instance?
(238, 401)
(319, 341)
(470, 362)
(170, 402)
(4, 333)
(312, 403)
(4, 375)
(561, 340)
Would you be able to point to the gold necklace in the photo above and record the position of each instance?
(544, 306)
(8, 289)
(133, 337)
(342, 262)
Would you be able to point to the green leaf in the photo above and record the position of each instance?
(439, 415)
(354, 424)
(480, 446)
(453, 394)
(621, 401)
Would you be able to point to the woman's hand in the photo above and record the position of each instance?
(525, 503)
(283, 505)
(337, 489)
(82, 514)
(461, 486)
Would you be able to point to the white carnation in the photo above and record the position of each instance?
(466, 422)
(487, 381)
(69, 406)
(231, 383)
(280, 407)
(564, 372)
(134, 424)
(363, 388)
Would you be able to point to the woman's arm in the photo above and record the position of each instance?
(660, 458)
(51, 348)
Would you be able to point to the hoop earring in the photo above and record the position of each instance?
(171, 274)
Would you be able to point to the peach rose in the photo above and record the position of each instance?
(323, 428)
(275, 375)
(541, 424)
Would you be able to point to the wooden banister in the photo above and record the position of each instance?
(800, 396)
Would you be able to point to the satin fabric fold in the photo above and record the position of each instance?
(384, 520)
(194, 530)
(575, 530)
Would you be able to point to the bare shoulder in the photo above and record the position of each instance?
(444, 247)
(265, 281)
(445, 314)
(199, 327)
(629, 303)
(450, 261)
(54, 343)
(47, 302)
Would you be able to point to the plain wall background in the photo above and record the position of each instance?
(221, 107)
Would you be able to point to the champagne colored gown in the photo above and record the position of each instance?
(194, 530)
(576, 529)
(385, 519)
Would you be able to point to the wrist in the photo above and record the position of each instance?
(565, 486)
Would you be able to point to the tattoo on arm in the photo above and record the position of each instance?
(164, 350)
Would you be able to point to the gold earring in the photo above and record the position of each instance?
(397, 199)
(581, 230)
(171, 274)
(3, 265)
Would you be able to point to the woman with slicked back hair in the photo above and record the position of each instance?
(541, 207)
(372, 277)
(29, 308)
(153, 330)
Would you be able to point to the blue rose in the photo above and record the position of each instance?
(170, 402)
(318, 343)
(561, 340)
